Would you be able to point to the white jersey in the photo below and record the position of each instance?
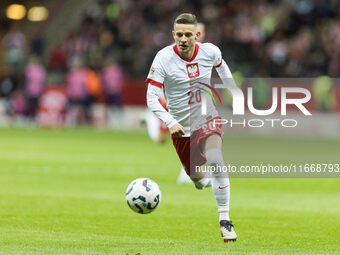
(186, 82)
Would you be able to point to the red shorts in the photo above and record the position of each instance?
(189, 148)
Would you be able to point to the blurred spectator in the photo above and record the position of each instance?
(77, 93)
(76, 84)
(17, 104)
(14, 48)
(35, 76)
(93, 84)
(58, 58)
(98, 113)
(323, 93)
(37, 45)
(8, 82)
(112, 77)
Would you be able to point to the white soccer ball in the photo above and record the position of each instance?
(143, 195)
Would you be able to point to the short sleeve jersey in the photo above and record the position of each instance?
(185, 82)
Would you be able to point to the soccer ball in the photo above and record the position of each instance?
(143, 195)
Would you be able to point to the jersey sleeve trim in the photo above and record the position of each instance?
(219, 64)
(155, 83)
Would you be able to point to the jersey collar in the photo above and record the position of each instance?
(193, 56)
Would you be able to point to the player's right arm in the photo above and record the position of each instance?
(152, 98)
(155, 82)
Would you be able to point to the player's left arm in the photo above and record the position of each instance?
(221, 66)
(224, 71)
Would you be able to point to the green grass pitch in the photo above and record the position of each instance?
(63, 192)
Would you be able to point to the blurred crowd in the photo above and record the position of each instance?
(291, 38)
(119, 38)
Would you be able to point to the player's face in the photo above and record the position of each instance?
(185, 36)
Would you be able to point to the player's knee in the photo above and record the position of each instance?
(216, 164)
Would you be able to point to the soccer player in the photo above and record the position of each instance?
(201, 30)
(157, 130)
(179, 69)
(183, 177)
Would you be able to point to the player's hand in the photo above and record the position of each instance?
(177, 130)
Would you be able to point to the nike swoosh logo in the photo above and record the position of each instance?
(222, 187)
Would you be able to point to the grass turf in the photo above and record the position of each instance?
(62, 192)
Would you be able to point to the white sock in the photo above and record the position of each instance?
(224, 216)
(220, 183)
(221, 190)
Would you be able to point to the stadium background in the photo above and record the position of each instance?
(80, 69)
(83, 46)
